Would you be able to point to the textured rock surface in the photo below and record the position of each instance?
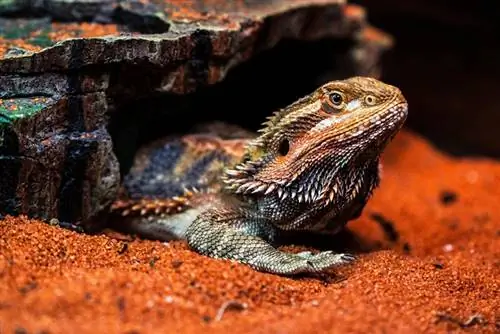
(61, 81)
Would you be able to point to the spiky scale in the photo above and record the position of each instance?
(270, 189)
(260, 189)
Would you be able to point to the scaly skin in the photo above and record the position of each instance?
(312, 168)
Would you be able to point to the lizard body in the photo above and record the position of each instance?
(312, 168)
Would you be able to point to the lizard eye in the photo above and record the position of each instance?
(284, 147)
(336, 98)
(334, 102)
(370, 100)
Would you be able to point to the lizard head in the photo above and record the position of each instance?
(305, 150)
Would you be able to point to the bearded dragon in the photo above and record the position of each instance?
(311, 168)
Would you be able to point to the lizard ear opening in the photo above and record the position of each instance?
(284, 147)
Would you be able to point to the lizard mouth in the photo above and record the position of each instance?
(364, 132)
(384, 128)
(374, 126)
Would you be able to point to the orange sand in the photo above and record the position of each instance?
(447, 211)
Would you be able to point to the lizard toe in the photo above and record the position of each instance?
(326, 260)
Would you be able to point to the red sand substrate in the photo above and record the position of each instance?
(56, 281)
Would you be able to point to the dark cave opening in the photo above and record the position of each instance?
(9, 149)
(249, 93)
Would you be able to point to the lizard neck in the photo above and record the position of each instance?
(351, 188)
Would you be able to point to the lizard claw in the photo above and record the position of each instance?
(348, 258)
(326, 260)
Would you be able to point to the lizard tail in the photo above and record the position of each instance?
(146, 207)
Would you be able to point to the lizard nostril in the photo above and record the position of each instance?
(284, 147)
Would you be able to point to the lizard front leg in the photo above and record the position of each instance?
(228, 235)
